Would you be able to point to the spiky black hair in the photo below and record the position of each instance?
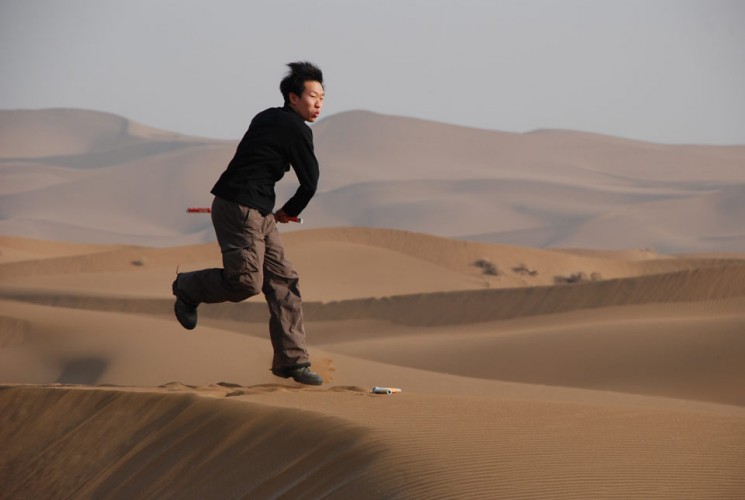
(294, 81)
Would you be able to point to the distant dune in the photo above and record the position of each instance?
(92, 177)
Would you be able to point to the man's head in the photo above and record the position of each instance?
(302, 89)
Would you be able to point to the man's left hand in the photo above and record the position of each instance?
(281, 216)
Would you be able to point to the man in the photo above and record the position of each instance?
(245, 222)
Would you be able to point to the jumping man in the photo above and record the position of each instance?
(246, 224)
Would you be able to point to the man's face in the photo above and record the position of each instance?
(309, 104)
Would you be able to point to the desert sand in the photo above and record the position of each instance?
(513, 385)
(601, 369)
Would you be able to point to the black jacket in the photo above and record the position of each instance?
(276, 139)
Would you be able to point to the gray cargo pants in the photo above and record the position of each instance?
(253, 261)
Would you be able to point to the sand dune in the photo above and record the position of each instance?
(73, 132)
(674, 332)
(24, 249)
(179, 446)
(543, 189)
(660, 351)
(354, 444)
(709, 218)
(634, 390)
(361, 266)
(596, 351)
(403, 147)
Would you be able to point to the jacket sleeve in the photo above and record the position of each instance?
(304, 163)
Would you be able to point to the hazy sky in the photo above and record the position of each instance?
(659, 70)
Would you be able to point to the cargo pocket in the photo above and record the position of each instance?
(242, 270)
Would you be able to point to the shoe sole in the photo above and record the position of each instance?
(309, 382)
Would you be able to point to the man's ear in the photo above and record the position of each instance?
(294, 98)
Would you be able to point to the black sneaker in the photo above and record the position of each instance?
(186, 313)
(301, 375)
